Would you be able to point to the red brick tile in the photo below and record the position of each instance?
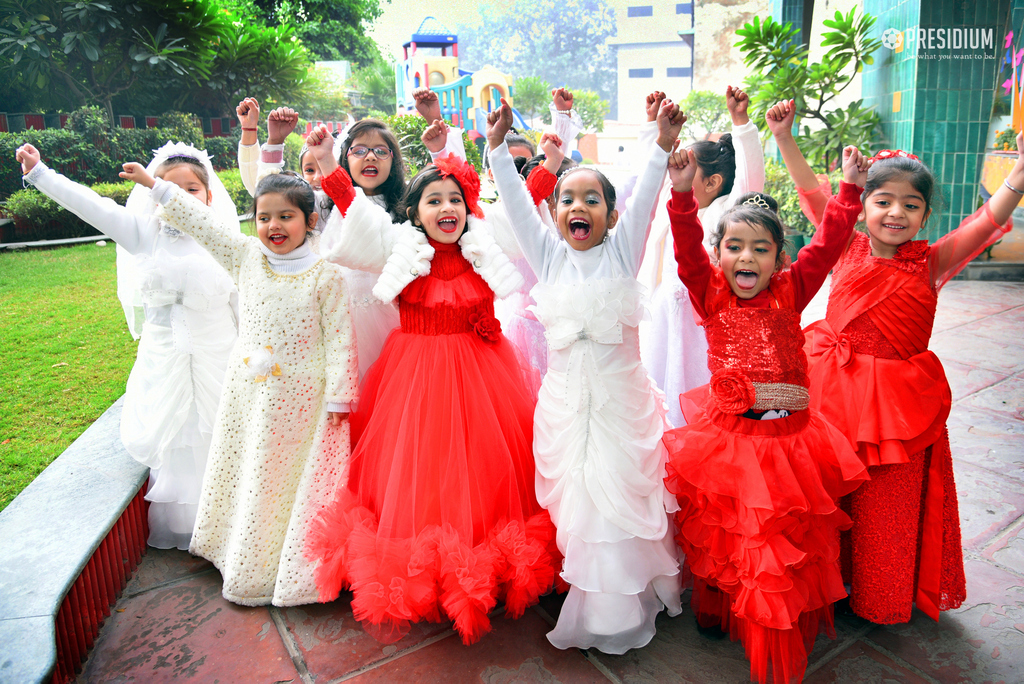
(987, 440)
(160, 566)
(188, 633)
(988, 501)
(965, 380)
(862, 663)
(1008, 548)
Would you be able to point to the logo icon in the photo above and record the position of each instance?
(892, 38)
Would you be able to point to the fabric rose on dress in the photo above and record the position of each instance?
(732, 391)
(486, 326)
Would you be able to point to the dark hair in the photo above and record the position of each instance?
(717, 157)
(411, 200)
(192, 163)
(294, 188)
(537, 160)
(394, 186)
(901, 169)
(755, 215)
(513, 137)
(606, 185)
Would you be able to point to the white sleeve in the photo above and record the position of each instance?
(271, 162)
(453, 145)
(630, 236)
(136, 234)
(500, 225)
(361, 239)
(537, 242)
(645, 142)
(749, 161)
(248, 158)
(567, 125)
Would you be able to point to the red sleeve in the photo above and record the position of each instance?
(813, 202)
(338, 186)
(688, 238)
(827, 245)
(541, 184)
(952, 252)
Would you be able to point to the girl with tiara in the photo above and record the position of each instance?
(756, 471)
(372, 318)
(599, 421)
(187, 326)
(874, 378)
(280, 444)
(438, 518)
(673, 346)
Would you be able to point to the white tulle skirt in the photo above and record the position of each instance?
(169, 409)
(673, 347)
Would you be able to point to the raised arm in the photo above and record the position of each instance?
(687, 232)
(745, 140)
(567, 122)
(813, 194)
(134, 233)
(835, 231)
(248, 112)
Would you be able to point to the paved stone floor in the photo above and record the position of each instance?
(171, 624)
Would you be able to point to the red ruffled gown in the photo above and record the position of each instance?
(873, 377)
(758, 519)
(439, 519)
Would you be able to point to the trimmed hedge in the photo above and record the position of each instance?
(232, 180)
(37, 217)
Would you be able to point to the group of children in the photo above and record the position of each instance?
(333, 404)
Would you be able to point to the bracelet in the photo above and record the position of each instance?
(249, 129)
(1006, 182)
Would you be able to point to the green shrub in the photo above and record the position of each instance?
(779, 185)
(183, 127)
(37, 217)
(223, 152)
(408, 130)
(292, 149)
(116, 191)
(64, 150)
(232, 180)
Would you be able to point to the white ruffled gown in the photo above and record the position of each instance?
(171, 398)
(598, 426)
(672, 344)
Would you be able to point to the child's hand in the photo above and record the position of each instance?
(670, 122)
(737, 101)
(336, 418)
(498, 124)
(682, 167)
(427, 104)
(435, 136)
(855, 166)
(562, 99)
(654, 101)
(28, 156)
(138, 174)
(280, 123)
(780, 118)
(248, 111)
(321, 145)
(551, 146)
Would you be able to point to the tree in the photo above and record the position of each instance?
(532, 95)
(593, 110)
(324, 97)
(705, 110)
(563, 43)
(375, 86)
(89, 51)
(782, 71)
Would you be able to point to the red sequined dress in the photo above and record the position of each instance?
(758, 518)
(439, 519)
(873, 377)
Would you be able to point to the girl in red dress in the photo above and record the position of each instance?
(439, 518)
(756, 472)
(873, 377)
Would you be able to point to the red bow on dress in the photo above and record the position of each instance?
(889, 154)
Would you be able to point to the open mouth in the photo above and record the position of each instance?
(370, 171)
(448, 224)
(893, 226)
(579, 229)
(277, 239)
(746, 280)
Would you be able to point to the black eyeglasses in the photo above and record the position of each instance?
(382, 152)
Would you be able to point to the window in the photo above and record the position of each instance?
(684, 8)
(679, 72)
(641, 73)
(640, 11)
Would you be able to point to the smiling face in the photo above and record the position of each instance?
(281, 225)
(186, 179)
(748, 257)
(311, 170)
(370, 171)
(581, 211)
(894, 213)
(441, 211)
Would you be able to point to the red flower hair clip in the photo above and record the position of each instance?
(466, 176)
(889, 154)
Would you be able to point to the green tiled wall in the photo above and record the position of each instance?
(946, 103)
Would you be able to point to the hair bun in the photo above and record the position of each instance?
(725, 144)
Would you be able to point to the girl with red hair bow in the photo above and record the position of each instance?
(438, 518)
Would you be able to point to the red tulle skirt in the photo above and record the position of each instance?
(439, 518)
(759, 525)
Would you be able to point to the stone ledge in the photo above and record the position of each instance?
(50, 532)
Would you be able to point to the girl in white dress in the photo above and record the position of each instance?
(598, 423)
(187, 326)
(281, 442)
(673, 346)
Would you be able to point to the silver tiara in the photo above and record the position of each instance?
(758, 202)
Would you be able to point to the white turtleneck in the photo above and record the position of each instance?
(295, 261)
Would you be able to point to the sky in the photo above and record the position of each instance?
(401, 17)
